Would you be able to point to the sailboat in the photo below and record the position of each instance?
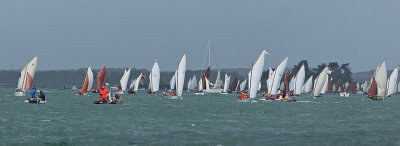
(216, 89)
(180, 79)
(255, 74)
(378, 87)
(320, 82)
(124, 81)
(392, 82)
(226, 84)
(154, 84)
(26, 79)
(88, 83)
(136, 83)
(233, 85)
(193, 82)
(275, 78)
(242, 85)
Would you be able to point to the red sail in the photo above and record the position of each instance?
(337, 86)
(205, 75)
(352, 87)
(373, 90)
(28, 81)
(101, 77)
(85, 84)
(233, 84)
(330, 85)
(287, 80)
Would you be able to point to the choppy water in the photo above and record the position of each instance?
(210, 120)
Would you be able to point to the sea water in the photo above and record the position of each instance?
(144, 119)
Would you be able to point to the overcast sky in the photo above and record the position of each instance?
(69, 34)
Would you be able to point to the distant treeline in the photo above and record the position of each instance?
(69, 78)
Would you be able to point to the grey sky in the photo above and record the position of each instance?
(127, 33)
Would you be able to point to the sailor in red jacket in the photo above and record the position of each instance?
(103, 94)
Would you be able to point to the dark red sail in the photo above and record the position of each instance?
(101, 77)
(205, 75)
(373, 90)
(287, 80)
(233, 84)
(330, 85)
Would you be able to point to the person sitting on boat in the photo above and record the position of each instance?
(242, 96)
(166, 93)
(284, 93)
(229, 91)
(42, 96)
(103, 94)
(33, 93)
(278, 94)
(173, 94)
(265, 94)
(345, 91)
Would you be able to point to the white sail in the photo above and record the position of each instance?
(200, 84)
(398, 87)
(155, 77)
(276, 77)
(334, 87)
(137, 82)
(299, 80)
(282, 85)
(259, 87)
(358, 87)
(21, 79)
(325, 87)
(207, 84)
(218, 81)
(320, 81)
(269, 80)
(291, 84)
(226, 84)
(365, 87)
(180, 75)
(243, 85)
(346, 85)
(194, 82)
(392, 81)
(172, 82)
(27, 75)
(255, 74)
(90, 77)
(132, 84)
(124, 80)
(308, 85)
(189, 84)
(237, 85)
(381, 79)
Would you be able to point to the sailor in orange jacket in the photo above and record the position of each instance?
(103, 94)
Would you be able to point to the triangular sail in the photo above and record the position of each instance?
(243, 85)
(237, 86)
(392, 81)
(381, 79)
(194, 82)
(124, 79)
(88, 83)
(287, 80)
(373, 90)
(226, 84)
(233, 84)
(189, 84)
(325, 87)
(205, 75)
(27, 75)
(172, 82)
(101, 77)
(320, 81)
(180, 75)
(276, 77)
(137, 81)
(299, 80)
(218, 81)
(308, 85)
(255, 74)
(155, 77)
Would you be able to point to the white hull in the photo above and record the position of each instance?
(199, 93)
(213, 91)
(19, 94)
(344, 94)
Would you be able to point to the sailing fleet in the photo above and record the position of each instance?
(280, 84)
